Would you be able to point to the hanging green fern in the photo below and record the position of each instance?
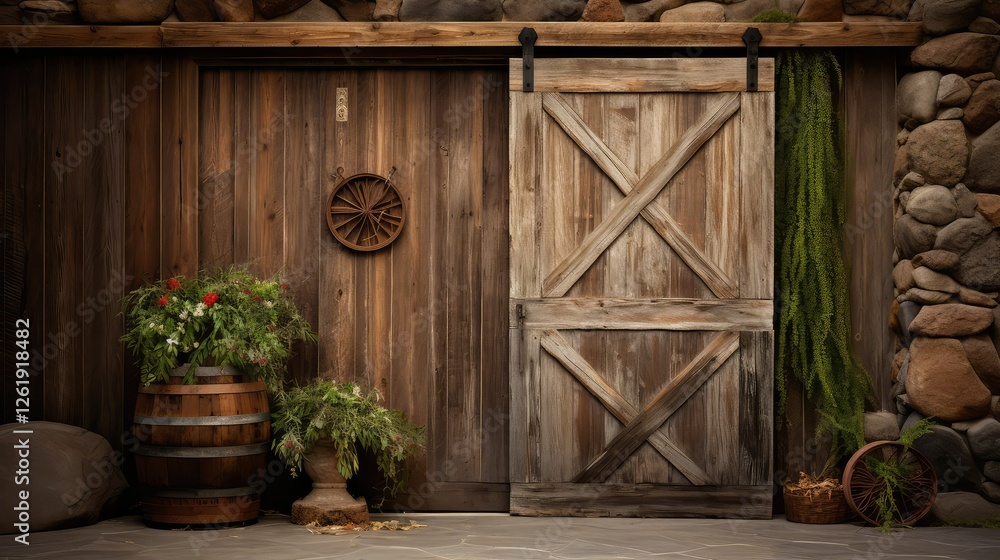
(814, 323)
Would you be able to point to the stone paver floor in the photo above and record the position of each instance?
(479, 536)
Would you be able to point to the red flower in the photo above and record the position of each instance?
(173, 284)
(284, 286)
(210, 299)
(162, 301)
(289, 444)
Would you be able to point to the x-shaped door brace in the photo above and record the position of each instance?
(643, 425)
(639, 193)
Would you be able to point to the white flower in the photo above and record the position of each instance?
(195, 344)
(268, 304)
(183, 315)
(356, 391)
(171, 341)
(152, 325)
(173, 298)
(199, 311)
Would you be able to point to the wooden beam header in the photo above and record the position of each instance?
(459, 35)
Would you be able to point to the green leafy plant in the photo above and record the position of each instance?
(228, 317)
(893, 474)
(350, 418)
(813, 321)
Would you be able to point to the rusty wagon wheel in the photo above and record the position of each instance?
(863, 485)
(365, 212)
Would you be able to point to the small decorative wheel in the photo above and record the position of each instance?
(365, 212)
(912, 493)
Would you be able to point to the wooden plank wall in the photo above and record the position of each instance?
(424, 320)
(81, 213)
(57, 254)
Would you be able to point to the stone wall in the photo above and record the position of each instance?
(947, 261)
(156, 11)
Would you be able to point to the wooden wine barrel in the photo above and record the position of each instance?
(201, 449)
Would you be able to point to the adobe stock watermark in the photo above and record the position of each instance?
(121, 108)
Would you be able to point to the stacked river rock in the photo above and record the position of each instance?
(947, 270)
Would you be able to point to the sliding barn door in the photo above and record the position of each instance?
(641, 288)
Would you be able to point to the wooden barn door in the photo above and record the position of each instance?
(641, 288)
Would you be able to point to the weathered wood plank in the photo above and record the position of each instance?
(640, 500)
(179, 167)
(103, 259)
(756, 415)
(641, 74)
(756, 276)
(245, 145)
(142, 196)
(303, 192)
(504, 34)
(267, 195)
(18, 37)
(685, 383)
(66, 179)
(625, 178)
(452, 496)
(565, 275)
(869, 95)
(624, 411)
(216, 181)
(494, 280)
(644, 314)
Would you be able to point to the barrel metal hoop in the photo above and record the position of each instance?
(199, 492)
(203, 420)
(202, 452)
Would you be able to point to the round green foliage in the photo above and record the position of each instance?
(814, 323)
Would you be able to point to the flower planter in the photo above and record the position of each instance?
(328, 503)
(199, 448)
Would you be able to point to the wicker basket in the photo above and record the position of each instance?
(818, 509)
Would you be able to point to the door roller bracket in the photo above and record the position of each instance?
(527, 39)
(752, 38)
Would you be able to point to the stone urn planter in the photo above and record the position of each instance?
(328, 503)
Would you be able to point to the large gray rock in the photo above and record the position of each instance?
(965, 200)
(953, 91)
(913, 237)
(984, 439)
(74, 475)
(933, 204)
(991, 491)
(273, 8)
(450, 10)
(951, 508)
(940, 381)
(881, 426)
(941, 261)
(355, 10)
(941, 17)
(984, 25)
(315, 11)
(951, 320)
(916, 96)
(992, 470)
(939, 151)
(124, 11)
(960, 235)
(983, 109)
(550, 10)
(908, 311)
(952, 460)
(980, 268)
(892, 8)
(696, 11)
(651, 10)
(984, 165)
(902, 275)
(961, 53)
(932, 280)
(985, 360)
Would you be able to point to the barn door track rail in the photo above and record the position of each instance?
(528, 37)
